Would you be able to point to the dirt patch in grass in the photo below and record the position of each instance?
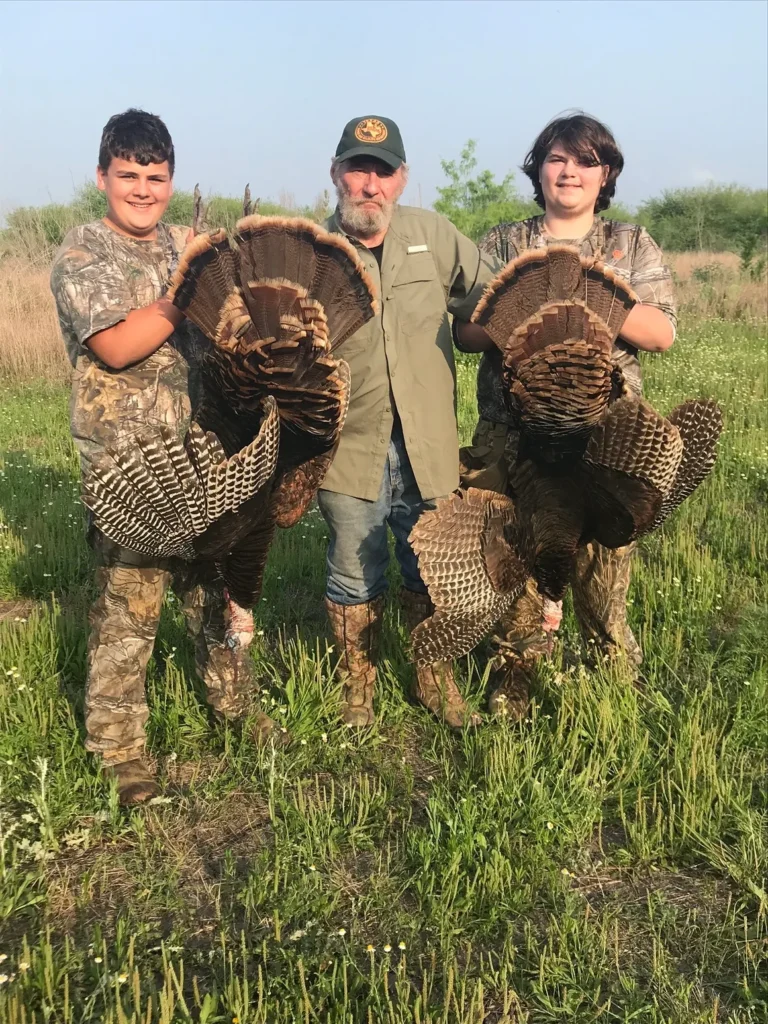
(17, 610)
(171, 874)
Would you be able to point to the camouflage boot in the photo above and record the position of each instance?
(435, 686)
(357, 631)
(135, 782)
(520, 641)
(223, 662)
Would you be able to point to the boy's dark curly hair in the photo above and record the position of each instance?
(136, 135)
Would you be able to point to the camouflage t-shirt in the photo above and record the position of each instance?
(628, 248)
(98, 277)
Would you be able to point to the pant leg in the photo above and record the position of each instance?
(124, 622)
(227, 672)
(357, 551)
(407, 505)
(599, 583)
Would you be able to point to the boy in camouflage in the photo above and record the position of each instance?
(134, 364)
(573, 166)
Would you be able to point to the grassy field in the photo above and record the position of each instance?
(604, 861)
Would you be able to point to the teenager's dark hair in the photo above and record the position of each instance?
(136, 135)
(585, 138)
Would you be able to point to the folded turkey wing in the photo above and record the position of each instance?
(471, 567)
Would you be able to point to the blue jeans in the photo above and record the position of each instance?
(358, 553)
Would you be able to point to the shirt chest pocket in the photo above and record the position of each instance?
(418, 294)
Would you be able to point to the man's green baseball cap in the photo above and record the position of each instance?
(378, 137)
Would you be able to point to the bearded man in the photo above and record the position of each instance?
(399, 448)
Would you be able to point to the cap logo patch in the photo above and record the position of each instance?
(370, 129)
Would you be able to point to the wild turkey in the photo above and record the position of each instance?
(595, 461)
(275, 306)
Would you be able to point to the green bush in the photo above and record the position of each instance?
(34, 233)
(715, 218)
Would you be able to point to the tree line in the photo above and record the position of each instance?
(715, 218)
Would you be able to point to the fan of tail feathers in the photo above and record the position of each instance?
(472, 567)
(552, 294)
(165, 498)
(276, 303)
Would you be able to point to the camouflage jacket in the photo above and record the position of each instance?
(98, 277)
(628, 248)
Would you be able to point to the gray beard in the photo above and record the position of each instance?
(360, 222)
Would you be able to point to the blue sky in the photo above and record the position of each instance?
(259, 92)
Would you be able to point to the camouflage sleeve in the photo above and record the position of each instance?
(503, 242)
(90, 291)
(651, 278)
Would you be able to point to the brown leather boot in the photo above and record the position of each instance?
(357, 631)
(510, 684)
(435, 685)
(135, 782)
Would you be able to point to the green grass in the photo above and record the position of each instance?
(603, 861)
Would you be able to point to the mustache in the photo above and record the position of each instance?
(363, 201)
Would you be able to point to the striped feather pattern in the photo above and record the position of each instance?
(700, 423)
(154, 494)
(472, 571)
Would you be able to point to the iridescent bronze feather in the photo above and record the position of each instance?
(594, 461)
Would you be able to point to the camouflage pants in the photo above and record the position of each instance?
(124, 621)
(599, 582)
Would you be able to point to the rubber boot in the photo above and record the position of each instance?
(357, 631)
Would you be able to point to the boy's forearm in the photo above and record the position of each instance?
(648, 328)
(141, 333)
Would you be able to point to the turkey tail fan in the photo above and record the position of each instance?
(300, 472)
(471, 567)
(550, 511)
(561, 393)
(555, 323)
(556, 274)
(156, 495)
(700, 422)
(607, 294)
(630, 465)
(205, 286)
(321, 263)
(306, 385)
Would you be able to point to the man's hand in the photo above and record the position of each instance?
(471, 337)
(647, 328)
(141, 333)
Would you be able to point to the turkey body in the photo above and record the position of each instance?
(595, 461)
(275, 303)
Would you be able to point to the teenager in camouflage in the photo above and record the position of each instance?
(573, 166)
(134, 364)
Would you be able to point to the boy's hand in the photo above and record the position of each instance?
(141, 333)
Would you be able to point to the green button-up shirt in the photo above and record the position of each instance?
(403, 358)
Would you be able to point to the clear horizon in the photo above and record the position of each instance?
(260, 92)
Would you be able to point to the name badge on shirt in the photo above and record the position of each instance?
(417, 248)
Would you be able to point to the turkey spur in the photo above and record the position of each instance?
(595, 461)
(275, 304)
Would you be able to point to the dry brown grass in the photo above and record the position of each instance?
(30, 342)
(709, 284)
(713, 284)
